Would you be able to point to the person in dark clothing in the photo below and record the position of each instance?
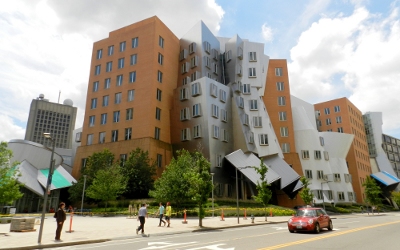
(60, 218)
(142, 215)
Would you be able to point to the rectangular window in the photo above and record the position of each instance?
(110, 50)
(95, 86)
(194, 76)
(222, 95)
(240, 102)
(215, 131)
(93, 103)
(240, 53)
(161, 42)
(280, 86)
(135, 42)
(207, 62)
(330, 195)
(284, 131)
(183, 94)
(338, 119)
(92, 119)
(114, 135)
(320, 174)
(317, 154)
(340, 130)
(337, 109)
(184, 114)
(185, 133)
(341, 196)
(196, 110)
(321, 141)
(121, 63)
(246, 88)
(281, 100)
(214, 54)
(97, 70)
(228, 56)
(185, 80)
(116, 116)
(160, 59)
(326, 155)
(253, 105)
(225, 136)
(132, 76)
(252, 56)
(252, 72)
(350, 194)
(214, 90)
(102, 137)
(246, 119)
(319, 194)
(347, 178)
(305, 154)
(285, 147)
(89, 139)
(196, 89)
(263, 139)
(194, 61)
(128, 134)
(103, 119)
(122, 46)
(282, 116)
(308, 174)
(158, 114)
(183, 54)
(214, 67)
(214, 110)
(336, 177)
(159, 76)
(158, 94)
(192, 48)
(328, 121)
(133, 59)
(207, 47)
(118, 98)
(107, 83)
(129, 114)
(224, 115)
(197, 131)
(131, 95)
(278, 72)
(159, 160)
(99, 54)
(251, 137)
(120, 79)
(157, 132)
(219, 160)
(108, 66)
(105, 100)
(257, 121)
(327, 111)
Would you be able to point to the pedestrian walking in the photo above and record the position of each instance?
(161, 214)
(142, 215)
(60, 218)
(168, 213)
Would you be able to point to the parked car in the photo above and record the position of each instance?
(310, 219)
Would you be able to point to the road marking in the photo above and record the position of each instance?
(326, 236)
(163, 245)
(281, 228)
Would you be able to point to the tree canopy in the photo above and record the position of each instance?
(305, 193)
(264, 194)
(9, 185)
(372, 191)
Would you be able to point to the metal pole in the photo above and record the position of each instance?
(46, 191)
(83, 193)
(212, 193)
(237, 197)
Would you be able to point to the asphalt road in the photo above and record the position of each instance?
(374, 232)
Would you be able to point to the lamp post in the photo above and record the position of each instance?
(83, 193)
(322, 191)
(212, 193)
(237, 191)
(48, 185)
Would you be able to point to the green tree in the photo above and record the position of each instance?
(305, 193)
(264, 194)
(108, 184)
(372, 192)
(75, 191)
(396, 197)
(9, 186)
(140, 173)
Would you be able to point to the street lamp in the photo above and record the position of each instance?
(322, 191)
(212, 193)
(48, 185)
(83, 193)
(237, 191)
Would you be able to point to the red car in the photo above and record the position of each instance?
(310, 219)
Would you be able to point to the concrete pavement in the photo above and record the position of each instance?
(94, 229)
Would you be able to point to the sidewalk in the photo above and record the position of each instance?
(99, 229)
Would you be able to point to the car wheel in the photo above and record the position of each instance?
(292, 231)
(317, 228)
(330, 227)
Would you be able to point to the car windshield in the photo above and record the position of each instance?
(305, 212)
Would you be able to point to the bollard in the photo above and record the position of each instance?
(252, 218)
(245, 216)
(184, 217)
(222, 215)
(70, 223)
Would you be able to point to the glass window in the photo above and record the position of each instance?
(158, 114)
(121, 63)
(282, 116)
(158, 95)
(97, 70)
(89, 139)
(99, 54)
(132, 76)
(120, 79)
(253, 105)
(252, 56)
(110, 50)
(197, 131)
(92, 119)
(214, 110)
(159, 76)
(131, 95)
(305, 154)
(157, 132)
(285, 147)
(122, 46)
(327, 111)
(159, 160)
(308, 174)
(161, 42)
(129, 114)
(102, 137)
(128, 134)
(337, 108)
(196, 89)
(317, 154)
(107, 83)
(284, 131)
(103, 119)
(278, 72)
(114, 135)
(105, 100)
(222, 95)
(95, 86)
(160, 58)
(116, 116)
(133, 59)
(118, 98)
(93, 103)
(263, 139)
(215, 131)
(196, 110)
(185, 134)
(108, 66)
(280, 86)
(135, 42)
(281, 100)
(252, 72)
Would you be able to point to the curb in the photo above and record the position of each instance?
(63, 244)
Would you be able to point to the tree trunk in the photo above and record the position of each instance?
(265, 209)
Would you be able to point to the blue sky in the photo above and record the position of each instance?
(337, 48)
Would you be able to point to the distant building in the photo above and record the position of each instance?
(54, 118)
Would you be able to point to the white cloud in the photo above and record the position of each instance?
(266, 32)
(356, 57)
(8, 130)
